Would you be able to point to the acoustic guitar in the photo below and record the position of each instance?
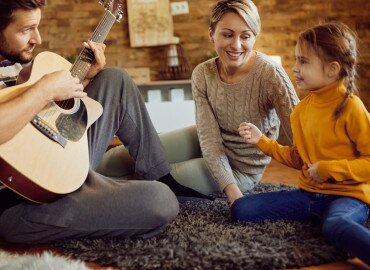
(49, 157)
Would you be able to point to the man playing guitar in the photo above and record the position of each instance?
(101, 206)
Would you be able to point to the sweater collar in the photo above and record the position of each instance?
(330, 92)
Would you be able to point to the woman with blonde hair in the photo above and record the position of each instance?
(240, 84)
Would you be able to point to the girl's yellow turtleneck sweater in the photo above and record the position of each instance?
(340, 146)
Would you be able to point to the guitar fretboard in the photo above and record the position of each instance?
(86, 57)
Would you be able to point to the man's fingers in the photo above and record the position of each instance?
(95, 46)
(76, 79)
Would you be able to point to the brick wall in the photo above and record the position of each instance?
(66, 23)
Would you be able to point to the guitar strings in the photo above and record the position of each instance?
(81, 67)
(76, 69)
(100, 34)
(47, 113)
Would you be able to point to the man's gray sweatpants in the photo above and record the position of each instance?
(103, 206)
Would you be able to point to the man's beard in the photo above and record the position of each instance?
(15, 57)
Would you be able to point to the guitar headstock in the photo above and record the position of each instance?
(114, 6)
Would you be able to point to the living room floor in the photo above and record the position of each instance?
(275, 173)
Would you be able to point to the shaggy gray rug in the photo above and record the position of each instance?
(203, 237)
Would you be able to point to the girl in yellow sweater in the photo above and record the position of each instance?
(331, 145)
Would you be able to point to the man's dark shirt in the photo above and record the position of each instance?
(8, 76)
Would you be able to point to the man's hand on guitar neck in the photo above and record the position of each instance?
(99, 62)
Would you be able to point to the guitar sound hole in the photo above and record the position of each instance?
(66, 104)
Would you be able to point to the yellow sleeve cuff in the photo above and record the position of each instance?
(264, 143)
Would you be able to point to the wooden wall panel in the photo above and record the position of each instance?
(67, 23)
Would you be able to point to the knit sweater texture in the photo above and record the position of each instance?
(340, 146)
(262, 97)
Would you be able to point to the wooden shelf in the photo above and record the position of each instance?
(168, 114)
(165, 86)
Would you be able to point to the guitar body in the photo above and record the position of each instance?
(49, 157)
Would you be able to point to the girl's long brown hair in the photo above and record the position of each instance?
(335, 41)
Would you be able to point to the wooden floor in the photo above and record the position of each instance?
(275, 173)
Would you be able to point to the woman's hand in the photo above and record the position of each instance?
(233, 193)
(249, 132)
(99, 62)
(313, 172)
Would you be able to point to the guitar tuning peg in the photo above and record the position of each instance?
(106, 4)
(119, 17)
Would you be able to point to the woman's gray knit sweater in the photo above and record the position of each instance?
(263, 97)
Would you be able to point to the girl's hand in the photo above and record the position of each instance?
(249, 132)
(314, 174)
(99, 62)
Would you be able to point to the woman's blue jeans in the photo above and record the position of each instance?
(342, 218)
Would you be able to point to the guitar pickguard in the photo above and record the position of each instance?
(73, 126)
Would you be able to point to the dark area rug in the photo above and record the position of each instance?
(203, 237)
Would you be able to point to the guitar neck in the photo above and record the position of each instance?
(86, 57)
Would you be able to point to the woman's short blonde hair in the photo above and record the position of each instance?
(245, 8)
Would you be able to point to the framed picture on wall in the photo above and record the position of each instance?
(150, 22)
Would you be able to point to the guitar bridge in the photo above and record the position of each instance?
(48, 131)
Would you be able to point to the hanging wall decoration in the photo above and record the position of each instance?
(150, 22)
